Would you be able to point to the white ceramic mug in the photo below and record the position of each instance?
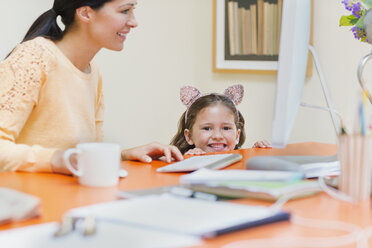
(98, 164)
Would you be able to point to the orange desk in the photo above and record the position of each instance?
(60, 193)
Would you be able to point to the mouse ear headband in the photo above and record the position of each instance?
(189, 95)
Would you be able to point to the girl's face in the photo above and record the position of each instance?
(112, 23)
(214, 130)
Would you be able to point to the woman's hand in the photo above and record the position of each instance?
(195, 151)
(262, 144)
(58, 164)
(151, 151)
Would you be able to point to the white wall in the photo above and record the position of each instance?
(173, 46)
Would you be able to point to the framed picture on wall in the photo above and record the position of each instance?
(246, 35)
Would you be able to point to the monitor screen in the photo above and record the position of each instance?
(292, 64)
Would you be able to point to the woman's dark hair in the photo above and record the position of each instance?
(179, 140)
(46, 25)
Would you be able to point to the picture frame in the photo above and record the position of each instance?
(220, 62)
(223, 63)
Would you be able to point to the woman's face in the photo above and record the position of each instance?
(111, 24)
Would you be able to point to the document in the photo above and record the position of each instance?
(179, 215)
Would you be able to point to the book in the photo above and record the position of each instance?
(279, 23)
(266, 28)
(270, 191)
(253, 9)
(275, 43)
(247, 32)
(231, 25)
(260, 26)
(241, 30)
(236, 28)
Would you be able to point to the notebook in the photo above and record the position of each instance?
(214, 162)
(181, 215)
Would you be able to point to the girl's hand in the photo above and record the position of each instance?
(151, 151)
(262, 144)
(195, 151)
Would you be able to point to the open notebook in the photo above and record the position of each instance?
(180, 215)
(214, 162)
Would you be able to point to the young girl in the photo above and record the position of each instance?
(51, 92)
(211, 122)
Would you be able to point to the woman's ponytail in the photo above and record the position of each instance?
(45, 26)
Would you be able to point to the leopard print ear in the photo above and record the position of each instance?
(189, 95)
(235, 93)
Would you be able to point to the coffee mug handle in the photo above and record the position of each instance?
(66, 157)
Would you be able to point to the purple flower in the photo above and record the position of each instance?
(358, 33)
(349, 4)
(357, 11)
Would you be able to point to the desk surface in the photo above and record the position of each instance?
(60, 193)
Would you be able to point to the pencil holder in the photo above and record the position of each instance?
(355, 155)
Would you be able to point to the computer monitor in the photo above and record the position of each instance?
(292, 64)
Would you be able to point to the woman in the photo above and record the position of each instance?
(51, 92)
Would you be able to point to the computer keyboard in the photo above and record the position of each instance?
(217, 161)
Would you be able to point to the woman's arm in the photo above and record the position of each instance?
(21, 78)
(151, 151)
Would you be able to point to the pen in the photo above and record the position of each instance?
(363, 109)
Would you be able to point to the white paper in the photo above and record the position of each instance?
(175, 214)
(206, 175)
(108, 235)
(321, 169)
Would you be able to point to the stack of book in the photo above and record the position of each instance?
(264, 185)
(253, 27)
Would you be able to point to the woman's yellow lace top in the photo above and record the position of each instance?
(46, 104)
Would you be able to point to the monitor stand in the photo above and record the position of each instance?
(293, 163)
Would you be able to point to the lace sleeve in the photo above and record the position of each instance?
(21, 76)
